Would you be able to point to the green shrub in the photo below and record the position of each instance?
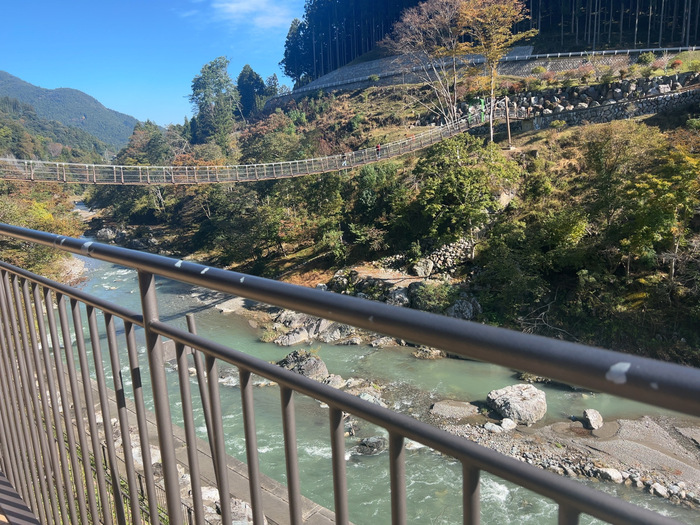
(557, 125)
(373, 78)
(435, 298)
(646, 71)
(538, 70)
(695, 66)
(646, 59)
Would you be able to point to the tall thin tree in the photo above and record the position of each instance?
(488, 24)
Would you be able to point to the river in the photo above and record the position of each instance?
(433, 482)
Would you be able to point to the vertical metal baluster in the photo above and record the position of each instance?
(79, 423)
(204, 393)
(251, 445)
(161, 401)
(40, 407)
(90, 409)
(62, 402)
(106, 421)
(45, 373)
(471, 494)
(18, 401)
(7, 461)
(219, 443)
(291, 455)
(188, 418)
(10, 412)
(397, 458)
(141, 422)
(123, 418)
(340, 483)
(567, 515)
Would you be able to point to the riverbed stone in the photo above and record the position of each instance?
(465, 308)
(523, 403)
(592, 419)
(372, 446)
(422, 267)
(658, 490)
(306, 364)
(610, 474)
(106, 235)
(453, 409)
(293, 337)
(398, 297)
(508, 424)
(428, 353)
(493, 428)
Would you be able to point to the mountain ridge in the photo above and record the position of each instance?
(71, 107)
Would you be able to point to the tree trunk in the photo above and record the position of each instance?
(494, 72)
(651, 14)
(661, 21)
(636, 25)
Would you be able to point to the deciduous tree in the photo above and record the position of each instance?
(427, 38)
(489, 25)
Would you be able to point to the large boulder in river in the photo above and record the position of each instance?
(522, 403)
(306, 364)
(372, 446)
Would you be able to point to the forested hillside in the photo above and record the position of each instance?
(24, 135)
(333, 33)
(71, 108)
(589, 233)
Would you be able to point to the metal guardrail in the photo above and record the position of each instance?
(482, 60)
(37, 357)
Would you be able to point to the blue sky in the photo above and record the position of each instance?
(139, 57)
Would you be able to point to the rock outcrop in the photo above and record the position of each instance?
(306, 364)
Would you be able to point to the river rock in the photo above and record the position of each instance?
(372, 398)
(398, 297)
(106, 235)
(493, 428)
(293, 337)
(428, 353)
(306, 364)
(592, 419)
(658, 490)
(332, 332)
(453, 409)
(422, 268)
(610, 474)
(522, 403)
(372, 446)
(464, 309)
(508, 424)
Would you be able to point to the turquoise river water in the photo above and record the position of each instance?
(433, 481)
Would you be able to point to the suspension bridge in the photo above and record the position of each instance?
(44, 171)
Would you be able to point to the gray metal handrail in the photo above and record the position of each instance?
(658, 383)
